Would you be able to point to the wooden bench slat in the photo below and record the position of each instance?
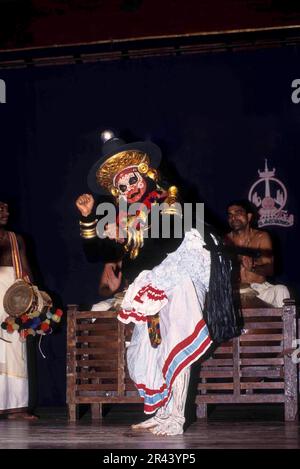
(215, 386)
(263, 325)
(87, 327)
(80, 315)
(86, 339)
(97, 387)
(241, 399)
(89, 362)
(223, 350)
(216, 374)
(218, 362)
(97, 327)
(262, 361)
(262, 349)
(93, 347)
(261, 373)
(262, 385)
(96, 374)
(261, 312)
(261, 337)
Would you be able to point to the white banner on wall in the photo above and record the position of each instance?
(270, 196)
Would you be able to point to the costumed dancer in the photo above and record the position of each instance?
(179, 293)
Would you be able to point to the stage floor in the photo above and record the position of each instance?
(228, 427)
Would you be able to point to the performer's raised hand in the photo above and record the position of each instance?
(85, 204)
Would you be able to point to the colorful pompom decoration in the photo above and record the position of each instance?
(33, 323)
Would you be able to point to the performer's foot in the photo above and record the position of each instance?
(169, 428)
(161, 415)
(145, 425)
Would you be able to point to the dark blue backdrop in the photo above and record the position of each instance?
(216, 118)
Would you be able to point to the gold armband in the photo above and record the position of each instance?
(87, 234)
(87, 225)
(88, 229)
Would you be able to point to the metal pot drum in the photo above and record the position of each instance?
(23, 297)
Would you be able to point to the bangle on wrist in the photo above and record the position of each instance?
(88, 227)
(88, 234)
(89, 224)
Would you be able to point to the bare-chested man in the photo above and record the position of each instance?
(254, 271)
(18, 384)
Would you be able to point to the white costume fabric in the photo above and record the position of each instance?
(104, 305)
(271, 294)
(13, 364)
(175, 289)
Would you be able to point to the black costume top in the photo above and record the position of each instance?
(151, 254)
(220, 315)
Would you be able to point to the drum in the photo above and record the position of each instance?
(23, 297)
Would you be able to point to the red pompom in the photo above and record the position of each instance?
(24, 318)
(44, 326)
(9, 328)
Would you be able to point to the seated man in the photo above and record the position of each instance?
(253, 271)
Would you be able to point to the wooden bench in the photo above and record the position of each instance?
(96, 366)
(256, 367)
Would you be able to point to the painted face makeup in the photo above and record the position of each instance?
(131, 185)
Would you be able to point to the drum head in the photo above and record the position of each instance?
(18, 298)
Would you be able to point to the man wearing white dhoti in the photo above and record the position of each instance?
(179, 295)
(13, 363)
(14, 386)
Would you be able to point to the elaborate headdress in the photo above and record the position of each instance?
(118, 155)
